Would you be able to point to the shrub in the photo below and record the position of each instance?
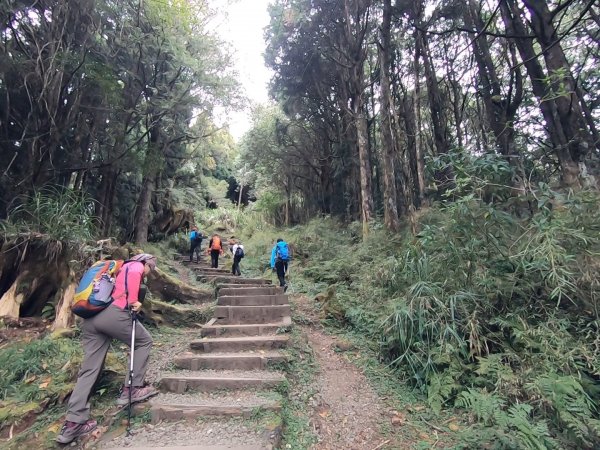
(58, 212)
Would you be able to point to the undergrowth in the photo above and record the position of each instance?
(58, 212)
(490, 308)
(298, 390)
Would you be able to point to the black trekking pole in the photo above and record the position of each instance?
(130, 382)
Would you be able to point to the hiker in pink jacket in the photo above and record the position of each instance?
(97, 333)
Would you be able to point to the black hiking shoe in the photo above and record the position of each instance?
(72, 430)
(285, 287)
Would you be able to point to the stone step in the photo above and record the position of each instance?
(210, 270)
(229, 361)
(206, 381)
(236, 289)
(194, 447)
(193, 264)
(214, 328)
(232, 315)
(210, 433)
(238, 344)
(171, 407)
(252, 300)
(222, 279)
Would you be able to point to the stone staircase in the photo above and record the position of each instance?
(228, 371)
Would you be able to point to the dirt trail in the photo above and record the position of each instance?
(346, 412)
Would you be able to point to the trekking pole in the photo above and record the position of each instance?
(289, 280)
(130, 382)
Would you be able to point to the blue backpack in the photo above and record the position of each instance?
(283, 252)
(239, 252)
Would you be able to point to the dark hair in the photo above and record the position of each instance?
(279, 240)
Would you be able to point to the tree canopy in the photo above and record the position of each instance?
(112, 99)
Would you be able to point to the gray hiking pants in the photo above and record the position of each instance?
(98, 331)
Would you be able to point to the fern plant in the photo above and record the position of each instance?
(514, 424)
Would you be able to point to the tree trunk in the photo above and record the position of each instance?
(441, 135)
(63, 316)
(10, 303)
(142, 213)
(570, 171)
(365, 172)
(561, 81)
(240, 196)
(390, 200)
(500, 111)
(419, 153)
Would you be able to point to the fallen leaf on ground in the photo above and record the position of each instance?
(398, 418)
(44, 384)
(425, 437)
(54, 428)
(453, 427)
(30, 380)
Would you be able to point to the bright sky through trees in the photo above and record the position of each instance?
(242, 25)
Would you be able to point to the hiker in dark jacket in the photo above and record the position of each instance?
(195, 243)
(97, 333)
(237, 250)
(215, 248)
(280, 256)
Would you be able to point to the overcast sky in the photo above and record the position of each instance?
(242, 24)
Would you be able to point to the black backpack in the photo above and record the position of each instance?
(239, 252)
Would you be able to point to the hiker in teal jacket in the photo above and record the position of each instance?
(195, 243)
(280, 256)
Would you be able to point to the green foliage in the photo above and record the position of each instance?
(300, 371)
(32, 372)
(60, 213)
(481, 309)
(507, 428)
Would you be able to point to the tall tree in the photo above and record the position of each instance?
(390, 199)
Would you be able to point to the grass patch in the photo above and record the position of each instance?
(300, 372)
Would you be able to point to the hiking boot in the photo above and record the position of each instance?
(285, 287)
(137, 395)
(72, 430)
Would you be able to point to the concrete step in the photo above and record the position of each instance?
(195, 447)
(239, 344)
(209, 433)
(211, 271)
(203, 263)
(207, 381)
(252, 300)
(232, 315)
(222, 279)
(214, 328)
(173, 407)
(229, 361)
(236, 289)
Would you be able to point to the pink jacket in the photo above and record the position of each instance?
(135, 275)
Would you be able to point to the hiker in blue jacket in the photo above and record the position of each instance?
(195, 243)
(280, 256)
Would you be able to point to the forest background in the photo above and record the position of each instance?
(437, 160)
